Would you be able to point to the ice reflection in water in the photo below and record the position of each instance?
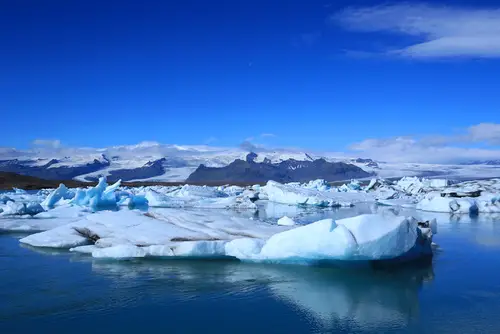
(366, 299)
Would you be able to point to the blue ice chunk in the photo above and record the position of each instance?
(5, 199)
(80, 198)
(19, 191)
(21, 209)
(62, 192)
(137, 201)
(33, 208)
(101, 196)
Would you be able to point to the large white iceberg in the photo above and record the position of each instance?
(365, 237)
(184, 233)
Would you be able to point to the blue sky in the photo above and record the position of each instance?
(325, 75)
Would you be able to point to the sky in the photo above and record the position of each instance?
(405, 80)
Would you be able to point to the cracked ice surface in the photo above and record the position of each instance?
(183, 233)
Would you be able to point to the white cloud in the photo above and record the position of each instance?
(47, 143)
(435, 149)
(393, 150)
(267, 135)
(210, 140)
(443, 31)
(460, 147)
(485, 132)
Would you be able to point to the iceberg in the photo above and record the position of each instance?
(18, 191)
(365, 237)
(296, 195)
(161, 227)
(414, 185)
(158, 200)
(318, 184)
(47, 220)
(119, 252)
(183, 233)
(465, 205)
(20, 209)
(99, 197)
(200, 191)
(488, 203)
(4, 199)
(354, 185)
(436, 203)
(286, 221)
(61, 193)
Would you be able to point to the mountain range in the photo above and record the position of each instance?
(155, 162)
(290, 170)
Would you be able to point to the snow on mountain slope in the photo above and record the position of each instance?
(152, 161)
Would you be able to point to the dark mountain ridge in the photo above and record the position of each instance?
(286, 171)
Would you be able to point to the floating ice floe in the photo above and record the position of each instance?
(434, 202)
(354, 185)
(4, 199)
(296, 195)
(365, 237)
(61, 215)
(318, 184)
(16, 208)
(160, 227)
(19, 191)
(414, 185)
(184, 233)
(402, 202)
(169, 200)
(286, 221)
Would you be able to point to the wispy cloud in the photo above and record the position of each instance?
(441, 31)
(485, 132)
(47, 143)
(210, 140)
(435, 149)
(268, 135)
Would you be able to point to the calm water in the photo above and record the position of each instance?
(54, 292)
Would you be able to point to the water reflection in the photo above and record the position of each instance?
(331, 297)
(270, 211)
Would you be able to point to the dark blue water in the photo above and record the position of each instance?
(54, 292)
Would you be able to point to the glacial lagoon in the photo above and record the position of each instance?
(43, 290)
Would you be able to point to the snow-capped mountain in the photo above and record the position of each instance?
(150, 161)
(145, 161)
(291, 170)
(483, 162)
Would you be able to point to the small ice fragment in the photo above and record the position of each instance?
(286, 221)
